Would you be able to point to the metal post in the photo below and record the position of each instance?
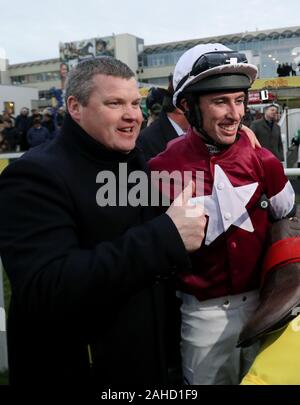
(287, 127)
(3, 343)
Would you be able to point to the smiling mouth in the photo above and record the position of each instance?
(229, 128)
(126, 130)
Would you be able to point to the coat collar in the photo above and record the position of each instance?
(196, 143)
(77, 138)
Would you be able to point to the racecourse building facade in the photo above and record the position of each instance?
(267, 49)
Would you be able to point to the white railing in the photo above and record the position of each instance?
(10, 155)
(290, 171)
(3, 345)
(289, 124)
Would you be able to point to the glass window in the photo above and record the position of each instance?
(282, 49)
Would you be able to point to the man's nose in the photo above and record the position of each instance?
(131, 112)
(234, 112)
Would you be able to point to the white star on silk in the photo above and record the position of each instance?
(226, 206)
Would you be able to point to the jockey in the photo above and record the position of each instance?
(240, 187)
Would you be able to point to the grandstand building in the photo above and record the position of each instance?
(266, 49)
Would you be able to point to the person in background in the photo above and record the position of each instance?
(8, 114)
(268, 132)
(11, 135)
(248, 118)
(38, 134)
(154, 102)
(170, 124)
(60, 118)
(48, 121)
(22, 125)
(3, 142)
(35, 113)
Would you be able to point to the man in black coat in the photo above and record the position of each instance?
(85, 264)
(268, 132)
(170, 124)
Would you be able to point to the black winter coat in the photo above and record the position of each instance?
(87, 298)
(154, 139)
(269, 138)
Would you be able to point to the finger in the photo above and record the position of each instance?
(257, 143)
(195, 211)
(252, 137)
(186, 194)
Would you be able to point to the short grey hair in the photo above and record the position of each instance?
(80, 83)
(270, 106)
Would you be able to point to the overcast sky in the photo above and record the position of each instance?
(31, 30)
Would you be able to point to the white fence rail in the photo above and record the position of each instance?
(289, 124)
(3, 345)
(12, 155)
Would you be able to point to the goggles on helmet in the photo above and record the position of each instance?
(211, 60)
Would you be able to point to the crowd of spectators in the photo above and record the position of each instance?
(286, 69)
(28, 130)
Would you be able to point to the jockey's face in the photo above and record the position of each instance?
(221, 115)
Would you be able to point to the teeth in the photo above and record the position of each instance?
(126, 129)
(228, 128)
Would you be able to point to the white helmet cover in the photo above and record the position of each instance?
(186, 62)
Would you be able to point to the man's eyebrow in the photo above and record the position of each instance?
(225, 96)
(118, 98)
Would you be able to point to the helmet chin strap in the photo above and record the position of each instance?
(194, 117)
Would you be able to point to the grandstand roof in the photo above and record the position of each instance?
(34, 63)
(246, 36)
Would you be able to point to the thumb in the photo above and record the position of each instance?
(186, 194)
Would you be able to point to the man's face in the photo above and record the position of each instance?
(221, 115)
(271, 114)
(112, 116)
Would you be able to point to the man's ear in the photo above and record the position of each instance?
(74, 108)
(183, 105)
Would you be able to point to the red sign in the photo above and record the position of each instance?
(254, 97)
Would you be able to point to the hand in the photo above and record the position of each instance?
(252, 138)
(189, 219)
(286, 228)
